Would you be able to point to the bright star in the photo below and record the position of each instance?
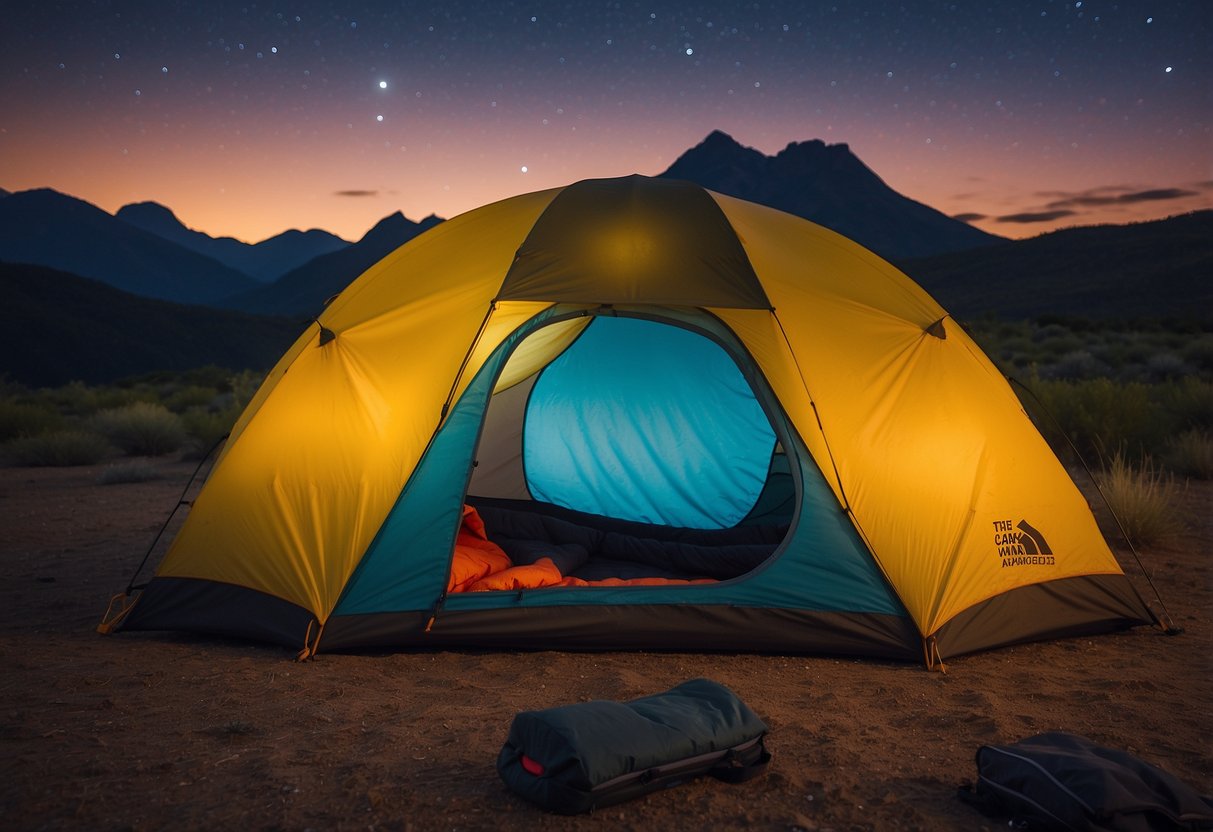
(378, 118)
(383, 85)
(523, 168)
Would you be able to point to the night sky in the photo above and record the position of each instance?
(251, 118)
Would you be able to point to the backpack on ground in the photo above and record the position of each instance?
(1058, 781)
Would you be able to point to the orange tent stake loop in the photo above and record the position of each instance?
(119, 606)
(310, 645)
(930, 650)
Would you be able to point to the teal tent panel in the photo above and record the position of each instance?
(649, 422)
(407, 564)
(823, 565)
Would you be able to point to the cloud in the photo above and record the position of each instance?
(969, 217)
(1098, 197)
(1035, 216)
(356, 193)
(1207, 185)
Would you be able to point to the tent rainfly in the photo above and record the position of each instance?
(636, 414)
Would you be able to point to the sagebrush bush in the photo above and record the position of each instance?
(1145, 499)
(141, 429)
(78, 399)
(58, 449)
(1190, 454)
(1198, 352)
(190, 396)
(1188, 403)
(1101, 416)
(26, 419)
(137, 470)
(206, 427)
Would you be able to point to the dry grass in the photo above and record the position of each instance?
(57, 449)
(1191, 454)
(1145, 499)
(135, 470)
(141, 429)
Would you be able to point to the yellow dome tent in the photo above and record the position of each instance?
(647, 359)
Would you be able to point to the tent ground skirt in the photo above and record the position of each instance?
(635, 627)
(1056, 609)
(221, 609)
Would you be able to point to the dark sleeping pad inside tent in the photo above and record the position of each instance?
(592, 547)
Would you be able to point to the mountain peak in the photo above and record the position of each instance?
(147, 206)
(150, 216)
(719, 138)
(831, 186)
(719, 145)
(396, 226)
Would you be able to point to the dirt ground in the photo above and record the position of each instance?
(147, 731)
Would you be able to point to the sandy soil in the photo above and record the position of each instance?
(156, 731)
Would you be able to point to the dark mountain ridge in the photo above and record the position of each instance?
(264, 261)
(304, 290)
(829, 185)
(44, 227)
(1160, 269)
(60, 327)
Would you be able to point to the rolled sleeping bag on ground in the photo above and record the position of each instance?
(576, 758)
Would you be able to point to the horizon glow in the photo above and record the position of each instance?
(249, 121)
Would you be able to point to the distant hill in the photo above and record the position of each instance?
(303, 291)
(59, 327)
(47, 228)
(264, 261)
(1150, 269)
(830, 186)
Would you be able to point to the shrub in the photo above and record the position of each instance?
(22, 419)
(1165, 365)
(1190, 454)
(184, 398)
(206, 427)
(133, 471)
(1199, 352)
(141, 429)
(1100, 415)
(1145, 500)
(58, 449)
(1076, 365)
(77, 399)
(1188, 403)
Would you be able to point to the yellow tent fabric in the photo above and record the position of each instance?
(324, 449)
(923, 443)
(936, 456)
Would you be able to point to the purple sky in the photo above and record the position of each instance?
(251, 118)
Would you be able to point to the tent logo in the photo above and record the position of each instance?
(1021, 544)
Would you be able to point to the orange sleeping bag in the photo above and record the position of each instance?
(480, 565)
(475, 555)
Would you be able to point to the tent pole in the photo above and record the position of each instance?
(450, 396)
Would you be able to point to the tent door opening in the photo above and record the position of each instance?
(633, 447)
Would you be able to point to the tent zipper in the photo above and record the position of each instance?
(429, 625)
